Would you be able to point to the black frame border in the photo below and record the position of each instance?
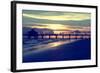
(13, 35)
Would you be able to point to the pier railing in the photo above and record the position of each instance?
(62, 36)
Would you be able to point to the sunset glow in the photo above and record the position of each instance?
(53, 27)
(57, 27)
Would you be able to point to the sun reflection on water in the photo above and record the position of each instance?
(50, 46)
(55, 44)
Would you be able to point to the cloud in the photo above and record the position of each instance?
(59, 17)
(60, 27)
(34, 21)
(56, 15)
(41, 18)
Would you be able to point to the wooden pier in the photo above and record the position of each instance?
(63, 36)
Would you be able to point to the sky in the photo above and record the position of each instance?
(56, 20)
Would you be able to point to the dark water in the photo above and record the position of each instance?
(78, 50)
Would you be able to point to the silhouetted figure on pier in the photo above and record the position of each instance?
(32, 33)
